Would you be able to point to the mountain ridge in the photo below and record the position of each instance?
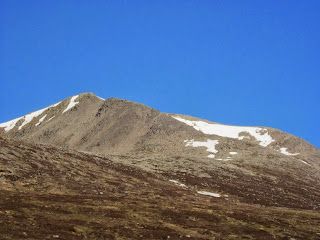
(90, 168)
(244, 162)
(40, 116)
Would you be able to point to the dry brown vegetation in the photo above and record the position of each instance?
(50, 193)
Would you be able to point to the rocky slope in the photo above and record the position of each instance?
(89, 123)
(89, 168)
(54, 193)
(252, 164)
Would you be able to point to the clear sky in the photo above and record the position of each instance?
(235, 62)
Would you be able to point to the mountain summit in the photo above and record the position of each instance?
(90, 123)
(254, 164)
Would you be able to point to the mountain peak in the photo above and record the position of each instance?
(121, 115)
(89, 95)
(124, 103)
(174, 144)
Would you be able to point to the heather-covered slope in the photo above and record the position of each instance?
(50, 193)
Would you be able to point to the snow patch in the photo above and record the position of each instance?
(54, 105)
(221, 159)
(260, 134)
(233, 153)
(178, 183)
(100, 98)
(211, 194)
(27, 118)
(209, 144)
(41, 120)
(285, 152)
(10, 124)
(71, 104)
(304, 162)
(50, 118)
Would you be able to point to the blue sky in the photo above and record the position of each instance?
(235, 62)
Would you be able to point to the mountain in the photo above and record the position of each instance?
(89, 123)
(85, 145)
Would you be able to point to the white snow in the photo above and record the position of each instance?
(178, 183)
(100, 98)
(41, 120)
(71, 104)
(54, 105)
(285, 152)
(50, 118)
(209, 193)
(260, 134)
(209, 144)
(221, 159)
(233, 153)
(10, 124)
(27, 118)
(304, 162)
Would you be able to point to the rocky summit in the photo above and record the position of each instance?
(93, 168)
